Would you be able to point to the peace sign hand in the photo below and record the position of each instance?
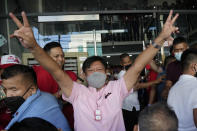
(24, 32)
(169, 27)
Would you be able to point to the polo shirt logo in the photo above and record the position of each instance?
(107, 95)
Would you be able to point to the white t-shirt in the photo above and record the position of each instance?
(132, 99)
(182, 98)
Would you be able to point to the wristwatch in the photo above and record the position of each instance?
(155, 45)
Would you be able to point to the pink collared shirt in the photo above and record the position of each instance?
(86, 100)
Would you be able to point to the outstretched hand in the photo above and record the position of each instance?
(169, 27)
(24, 32)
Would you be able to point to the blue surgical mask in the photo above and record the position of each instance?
(178, 55)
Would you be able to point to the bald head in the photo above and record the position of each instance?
(158, 117)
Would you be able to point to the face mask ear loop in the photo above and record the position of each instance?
(27, 90)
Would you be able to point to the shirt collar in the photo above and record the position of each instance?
(27, 102)
(187, 76)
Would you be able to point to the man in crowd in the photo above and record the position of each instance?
(20, 85)
(44, 79)
(47, 83)
(174, 69)
(97, 107)
(157, 117)
(6, 61)
(182, 96)
(131, 104)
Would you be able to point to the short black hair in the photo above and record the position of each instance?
(87, 63)
(188, 56)
(122, 56)
(47, 48)
(179, 40)
(158, 117)
(33, 124)
(18, 69)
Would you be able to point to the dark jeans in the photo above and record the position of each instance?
(130, 118)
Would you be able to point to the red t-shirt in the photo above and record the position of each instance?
(151, 76)
(46, 82)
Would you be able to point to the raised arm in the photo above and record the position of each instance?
(27, 39)
(147, 55)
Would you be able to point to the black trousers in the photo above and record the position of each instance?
(130, 118)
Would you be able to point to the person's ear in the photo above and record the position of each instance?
(135, 128)
(33, 90)
(194, 67)
(83, 76)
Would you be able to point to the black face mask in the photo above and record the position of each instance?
(127, 67)
(12, 103)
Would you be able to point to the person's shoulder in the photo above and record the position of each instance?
(38, 68)
(72, 75)
(46, 95)
(173, 65)
(115, 83)
(70, 72)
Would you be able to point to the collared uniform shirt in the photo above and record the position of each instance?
(182, 99)
(108, 100)
(44, 106)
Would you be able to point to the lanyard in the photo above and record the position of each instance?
(99, 101)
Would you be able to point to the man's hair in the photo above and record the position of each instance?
(189, 56)
(47, 48)
(33, 124)
(179, 40)
(27, 72)
(122, 56)
(87, 63)
(158, 117)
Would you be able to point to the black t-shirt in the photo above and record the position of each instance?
(174, 70)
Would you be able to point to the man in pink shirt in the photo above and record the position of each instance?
(97, 107)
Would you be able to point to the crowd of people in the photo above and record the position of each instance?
(46, 97)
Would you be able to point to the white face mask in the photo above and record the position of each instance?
(96, 79)
(178, 55)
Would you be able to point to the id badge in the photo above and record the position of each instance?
(98, 115)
